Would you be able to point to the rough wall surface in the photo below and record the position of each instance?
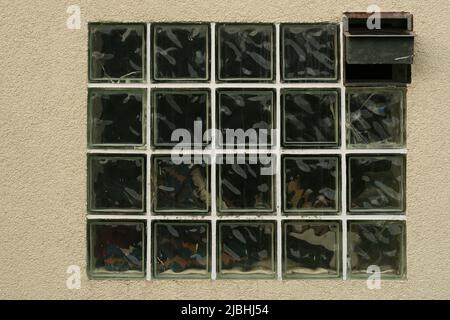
(43, 149)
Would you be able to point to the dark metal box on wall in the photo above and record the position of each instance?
(378, 53)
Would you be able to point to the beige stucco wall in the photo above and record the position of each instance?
(43, 144)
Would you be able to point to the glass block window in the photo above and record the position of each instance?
(235, 151)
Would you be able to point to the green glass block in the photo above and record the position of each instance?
(116, 183)
(309, 52)
(376, 117)
(180, 52)
(249, 114)
(187, 109)
(116, 118)
(377, 245)
(180, 188)
(310, 117)
(181, 249)
(116, 249)
(310, 184)
(376, 183)
(311, 249)
(117, 52)
(246, 52)
(246, 250)
(245, 184)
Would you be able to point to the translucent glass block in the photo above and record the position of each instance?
(245, 118)
(376, 183)
(180, 52)
(180, 188)
(245, 52)
(181, 249)
(116, 249)
(310, 117)
(186, 109)
(116, 183)
(117, 52)
(246, 250)
(309, 52)
(310, 184)
(377, 246)
(376, 117)
(245, 185)
(116, 118)
(311, 249)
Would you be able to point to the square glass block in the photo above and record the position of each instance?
(376, 117)
(310, 184)
(245, 117)
(116, 118)
(180, 52)
(117, 52)
(376, 183)
(179, 188)
(116, 249)
(245, 184)
(310, 117)
(379, 244)
(181, 249)
(186, 109)
(309, 52)
(116, 183)
(312, 249)
(245, 52)
(246, 249)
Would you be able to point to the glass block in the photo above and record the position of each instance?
(181, 249)
(116, 183)
(245, 52)
(180, 52)
(179, 188)
(376, 183)
(116, 249)
(245, 184)
(245, 117)
(312, 249)
(376, 117)
(186, 109)
(310, 184)
(116, 118)
(309, 52)
(246, 250)
(310, 118)
(377, 243)
(117, 52)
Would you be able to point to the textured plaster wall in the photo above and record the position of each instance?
(43, 144)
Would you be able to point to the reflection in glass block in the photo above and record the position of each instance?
(311, 184)
(375, 117)
(246, 250)
(245, 184)
(377, 243)
(116, 183)
(311, 249)
(181, 249)
(116, 118)
(376, 183)
(310, 118)
(249, 114)
(309, 52)
(117, 52)
(180, 187)
(180, 52)
(116, 249)
(180, 109)
(245, 52)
